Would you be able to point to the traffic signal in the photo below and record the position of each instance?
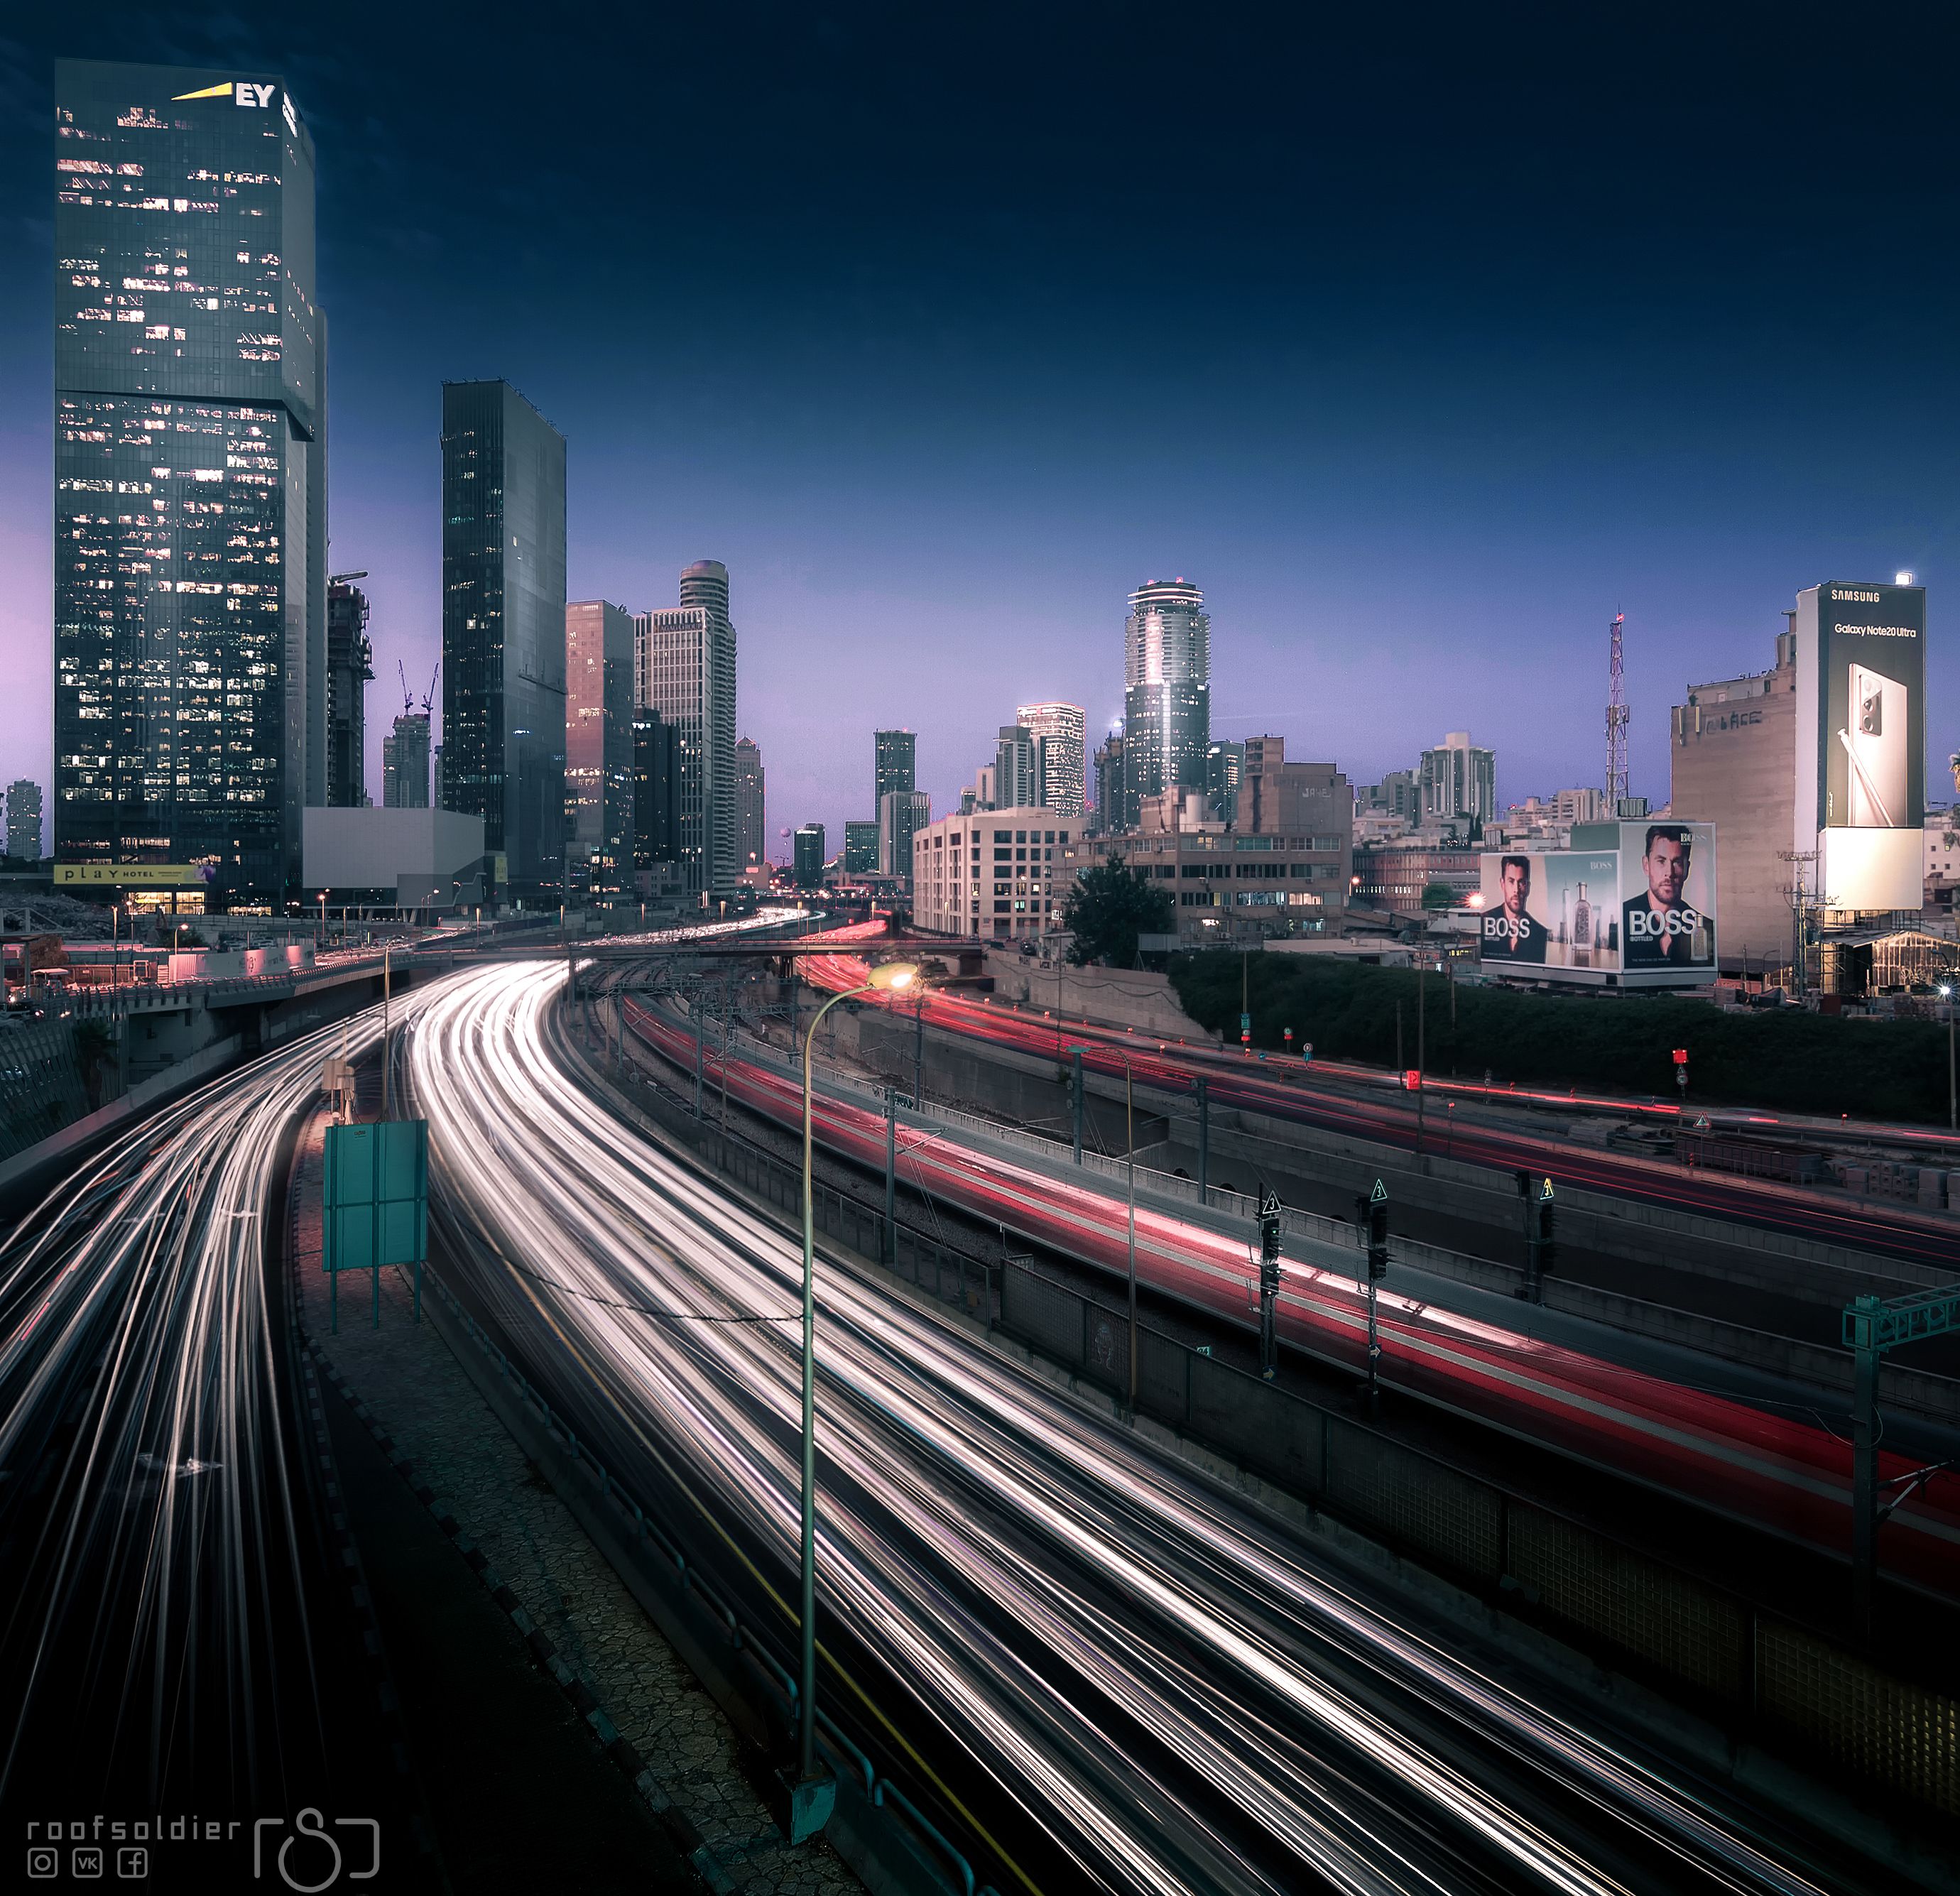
(1269, 1227)
(1378, 1231)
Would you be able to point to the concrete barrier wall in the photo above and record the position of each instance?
(1104, 996)
(1783, 1681)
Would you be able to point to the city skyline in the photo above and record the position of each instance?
(1590, 463)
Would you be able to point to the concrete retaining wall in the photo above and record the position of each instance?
(1103, 996)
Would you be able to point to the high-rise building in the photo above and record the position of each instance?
(808, 855)
(1224, 769)
(435, 779)
(1167, 693)
(894, 765)
(598, 787)
(1398, 794)
(1017, 769)
(1107, 819)
(405, 763)
(751, 835)
(656, 779)
(190, 477)
(24, 820)
(1734, 754)
(350, 671)
(902, 814)
(503, 629)
(860, 848)
(1059, 730)
(1459, 780)
(684, 668)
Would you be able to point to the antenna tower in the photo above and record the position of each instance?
(1616, 718)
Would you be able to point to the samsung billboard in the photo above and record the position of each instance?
(1631, 904)
(1861, 742)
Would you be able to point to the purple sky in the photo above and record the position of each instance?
(1422, 353)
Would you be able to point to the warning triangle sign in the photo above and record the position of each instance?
(1380, 1193)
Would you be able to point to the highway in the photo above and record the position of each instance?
(1780, 1472)
(1109, 1675)
(158, 1545)
(1294, 1091)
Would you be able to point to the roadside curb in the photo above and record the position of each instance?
(679, 1828)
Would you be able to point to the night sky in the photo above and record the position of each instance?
(1423, 344)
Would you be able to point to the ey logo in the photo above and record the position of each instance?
(245, 92)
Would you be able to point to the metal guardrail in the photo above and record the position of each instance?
(739, 1635)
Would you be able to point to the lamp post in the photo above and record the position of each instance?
(806, 1810)
(1953, 1093)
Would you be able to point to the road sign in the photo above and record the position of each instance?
(374, 1203)
(1681, 1056)
(1244, 1025)
(376, 1198)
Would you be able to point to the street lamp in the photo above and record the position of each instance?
(807, 1814)
(1952, 1094)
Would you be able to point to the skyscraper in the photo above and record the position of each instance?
(902, 814)
(1109, 767)
(350, 671)
(405, 763)
(807, 855)
(1060, 731)
(684, 668)
(23, 819)
(503, 629)
(750, 831)
(1224, 770)
(1459, 779)
(860, 848)
(1167, 693)
(655, 774)
(190, 477)
(894, 766)
(599, 739)
(1017, 769)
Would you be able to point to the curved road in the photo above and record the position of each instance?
(1128, 1683)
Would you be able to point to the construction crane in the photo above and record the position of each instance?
(428, 697)
(1616, 718)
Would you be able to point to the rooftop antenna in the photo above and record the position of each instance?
(1616, 718)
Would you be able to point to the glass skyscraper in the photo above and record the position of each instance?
(1060, 729)
(684, 668)
(894, 765)
(1167, 695)
(599, 740)
(350, 671)
(190, 481)
(503, 630)
(751, 819)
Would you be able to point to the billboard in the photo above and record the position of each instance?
(1632, 905)
(1861, 742)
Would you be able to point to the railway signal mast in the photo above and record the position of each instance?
(1616, 719)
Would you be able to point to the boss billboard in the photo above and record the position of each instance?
(1861, 742)
(1636, 910)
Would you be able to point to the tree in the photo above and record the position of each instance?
(1108, 908)
(1439, 895)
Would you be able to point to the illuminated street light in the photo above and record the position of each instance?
(807, 1815)
(1952, 1092)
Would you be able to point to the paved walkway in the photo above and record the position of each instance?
(514, 1529)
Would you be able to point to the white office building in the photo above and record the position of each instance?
(995, 874)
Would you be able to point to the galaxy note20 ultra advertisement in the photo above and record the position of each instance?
(1861, 742)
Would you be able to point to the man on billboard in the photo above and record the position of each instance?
(1513, 933)
(1658, 928)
